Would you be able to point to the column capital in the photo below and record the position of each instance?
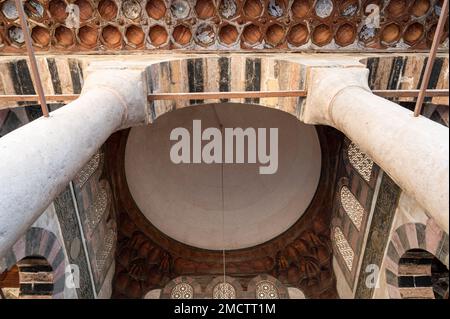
(127, 84)
(324, 84)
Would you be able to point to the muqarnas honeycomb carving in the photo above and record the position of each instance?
(297, 25)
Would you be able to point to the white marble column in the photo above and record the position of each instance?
(39, 159)
(413, 151)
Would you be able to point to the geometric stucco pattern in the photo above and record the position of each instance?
(262, 286)
(224, 287)
(429, 237)
(186, 287)
(94, 201)
(182, 287)
(360, 161)
(182, 291)
(343, 247)
(39, 242)
(72, 236)
(380, 226)
(86, 172)
(352, 207)
(353, 201)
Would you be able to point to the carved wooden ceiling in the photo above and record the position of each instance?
(297, 25)
(301, 257)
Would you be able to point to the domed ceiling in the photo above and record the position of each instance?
(184, 201)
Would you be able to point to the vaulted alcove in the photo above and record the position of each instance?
(174, 221)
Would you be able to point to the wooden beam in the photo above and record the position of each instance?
(225, 95)
(32, 57)
(216, 95)
(410, 93)
(34, 98)
(264, 94)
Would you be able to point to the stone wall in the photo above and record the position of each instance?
(377, 237)
(59, 75)
(96, 209)
(43, 239)
(412, 229)
(405, 72)
(355, 191)
(364, 205)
